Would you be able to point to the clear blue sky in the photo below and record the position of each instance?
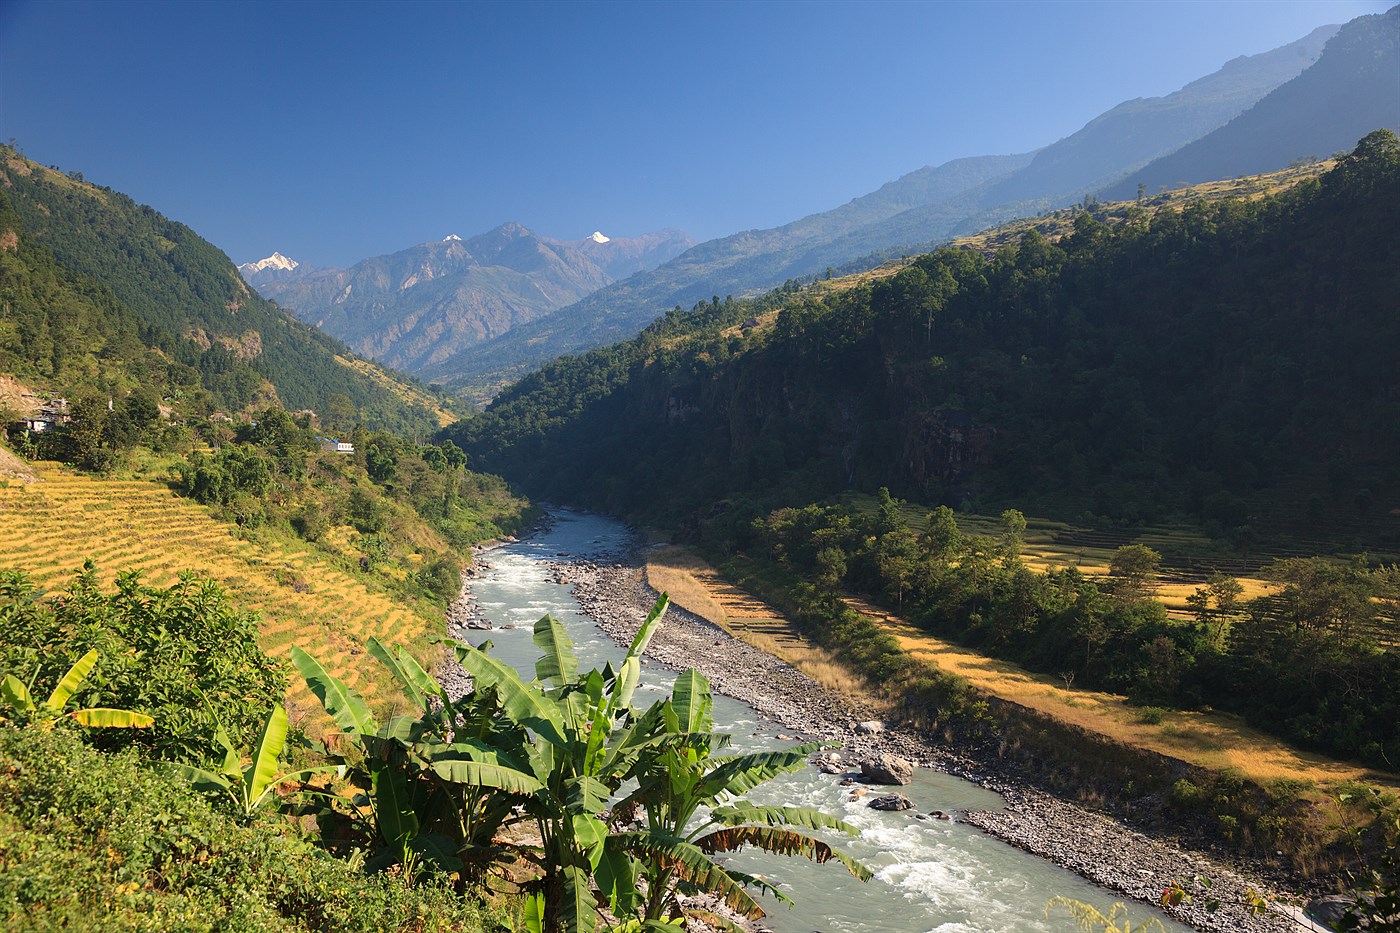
(338, 131)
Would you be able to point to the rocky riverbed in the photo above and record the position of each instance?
(1100, 849)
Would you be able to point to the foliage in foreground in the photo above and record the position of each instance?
(181, 654)
(451, 788)
(99, 841)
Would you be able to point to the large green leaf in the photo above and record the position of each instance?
(559, 664)
(590, 834)
(103, 717)
(616, 875)
(16, 693)
(579, 912)
(649, 625)
(398, 823)
(75, 676)
(691, 699)
(437, 848)
(805, 817)
(526, 706)
(484, 774)
(386, 657)
(419, 677)
(263, 769)
(742, 774)
(587, 794)
(206, 782)
(779, 841)
(534, 913)
(626, 683)
(345, 706)
(690, 864)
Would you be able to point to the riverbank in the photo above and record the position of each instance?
(1100, 849)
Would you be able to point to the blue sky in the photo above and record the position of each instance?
(337, 131)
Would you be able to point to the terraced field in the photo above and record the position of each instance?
(1209, 740)
(48, 528)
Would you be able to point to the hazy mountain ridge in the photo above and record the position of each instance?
(912, 213)
(1353, 88)
(411, 308)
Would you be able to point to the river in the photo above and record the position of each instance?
(930, 875)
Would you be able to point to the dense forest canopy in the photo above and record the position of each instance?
(1236, 363)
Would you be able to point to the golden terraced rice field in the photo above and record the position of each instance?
(48, 528)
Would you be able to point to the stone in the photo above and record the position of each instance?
(1329, 908)
(887, 769)
(891, 802)
(870, 727)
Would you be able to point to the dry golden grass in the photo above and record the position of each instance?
(49, 528)
(695, 586)
(1211, 740)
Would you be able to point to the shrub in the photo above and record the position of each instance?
(98, 841)
(179, 654)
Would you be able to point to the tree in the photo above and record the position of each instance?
(1014, 535)
(1135, 568)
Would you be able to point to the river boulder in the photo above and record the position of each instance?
(870, 727)
(891, 802)
(887, 769)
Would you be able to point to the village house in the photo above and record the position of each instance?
(334, 446)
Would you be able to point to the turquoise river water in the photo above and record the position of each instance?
(930, 875)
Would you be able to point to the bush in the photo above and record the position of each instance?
(96, 841)
(182, 655)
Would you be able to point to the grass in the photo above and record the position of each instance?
(1214, 741)
(696, 587)
(408, 393)
(49, 528)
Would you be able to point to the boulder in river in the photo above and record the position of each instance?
(887, 769)
(891, 802)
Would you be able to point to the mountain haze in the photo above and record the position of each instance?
(413, 308)
(912, 213)
(1352, 89)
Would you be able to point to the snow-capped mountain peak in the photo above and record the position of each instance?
(275, 261)
(450, 237)
(598, 237)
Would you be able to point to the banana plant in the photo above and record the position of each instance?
(436, 785)
(251, 787)
(45, 715)
(692, 809)
(587, 742)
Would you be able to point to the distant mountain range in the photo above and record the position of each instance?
(908, 215)
(414, 308)
(1353, 89)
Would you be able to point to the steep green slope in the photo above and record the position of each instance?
(1197, 362)
(94, 283)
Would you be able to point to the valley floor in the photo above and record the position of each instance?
(1098, 848)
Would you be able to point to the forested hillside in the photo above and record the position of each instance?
(105, 294)
(1191, 363)
(1235, 365)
